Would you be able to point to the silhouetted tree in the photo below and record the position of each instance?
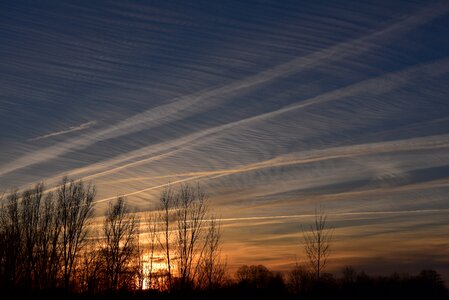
(432, 282)
(44, 244)
(185, 239)
(166, 201)
(349, 275)
(299, 279)
(190, 212)
(12, 246)
(149, 271)
(212, 269)
(29, 240)
(47, 244)
(256, 276)
(139, 263)
(258, 282)
(3, 241)
(30, 210)
(91, 267)
(120, 230)
(75, 208)
(317, 243)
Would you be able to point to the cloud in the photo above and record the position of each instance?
(387, 82)
(71, 129)
(182, 107)
(305, 157)
(337, 214)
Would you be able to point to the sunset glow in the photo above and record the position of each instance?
(274, 108)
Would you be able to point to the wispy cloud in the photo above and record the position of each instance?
(336, 214)
(160, 151)
(334, 105)
(307, 157)
(70, 130)
(185, 106)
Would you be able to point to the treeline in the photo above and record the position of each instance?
(258, 282)
(49, 243)
(51, 246)
(41, 236)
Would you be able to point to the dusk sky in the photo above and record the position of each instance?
(274, 107)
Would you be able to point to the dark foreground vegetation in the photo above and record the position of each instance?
(51, 248)
(264, 284)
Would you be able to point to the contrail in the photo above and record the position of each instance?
(71, 129)
(173, 111)
(339, 214)
(388, 81)
(434, 142)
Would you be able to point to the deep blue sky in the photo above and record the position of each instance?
(275, 107)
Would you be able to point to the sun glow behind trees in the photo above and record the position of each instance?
(52, 236)
(50, 242)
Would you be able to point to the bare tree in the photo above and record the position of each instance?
(45, 241)
(120, 229)
(191, 209)
(256, 276)
(152, 229)
(349, 275)
(12, 233)
(317, 243)
(75, 208)
(29, 215)
(184, 237)
(48, 237)
(90, 267)
(166, 201)
(29, 238)
(212, 269)
(299, 279)
(3, 243)
(140, 263)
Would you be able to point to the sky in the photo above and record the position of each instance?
(274, 107)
